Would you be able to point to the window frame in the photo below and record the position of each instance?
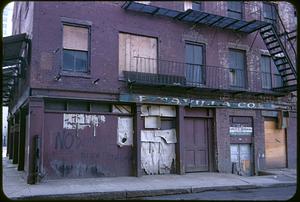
(199, 3)
(122, 77)
(203, 47)
(75, 23)
(272, 5)
(273, 73)
(245, 83)
(189, 5)
(264, 72)
(242, 12)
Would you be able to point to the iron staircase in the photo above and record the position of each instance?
(282, 52)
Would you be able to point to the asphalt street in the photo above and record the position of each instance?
(275, 193)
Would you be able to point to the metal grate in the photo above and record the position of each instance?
(198, 17)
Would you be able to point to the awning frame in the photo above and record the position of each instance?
(16, 59)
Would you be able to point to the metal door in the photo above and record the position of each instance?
(196, 144)
(241, 159)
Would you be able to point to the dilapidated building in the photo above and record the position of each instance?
(139, 88)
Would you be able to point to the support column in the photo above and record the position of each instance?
(8, 139)
(11, 135)
(138, 125)
(36, 119)
(22, 134)
(180, 140)
(16, 139)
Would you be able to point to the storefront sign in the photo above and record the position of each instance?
(198, 102)
(241, 130)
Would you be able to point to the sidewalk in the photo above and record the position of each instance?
(15, 187)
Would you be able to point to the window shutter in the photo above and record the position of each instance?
(75, 38)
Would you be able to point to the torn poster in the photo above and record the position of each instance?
(158, 151)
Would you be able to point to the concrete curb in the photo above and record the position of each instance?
(145, 193)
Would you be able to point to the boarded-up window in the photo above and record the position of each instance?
(275, 145)
(137, 53)
(237, 68)
(75, 48)
(234, 9)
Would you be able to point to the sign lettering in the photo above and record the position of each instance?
(199, 102)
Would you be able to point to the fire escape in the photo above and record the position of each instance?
(16, 58)
(280, 45)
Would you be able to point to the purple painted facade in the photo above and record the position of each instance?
(87, 153)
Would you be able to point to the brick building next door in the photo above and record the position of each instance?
(196, 144)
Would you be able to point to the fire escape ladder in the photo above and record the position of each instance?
(282, 50)
(281, 58)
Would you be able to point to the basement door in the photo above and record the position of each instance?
(196, 144)
(275, 145)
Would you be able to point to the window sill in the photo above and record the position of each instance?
(75, 74)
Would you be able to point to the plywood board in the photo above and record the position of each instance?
(275, 145)
(167, 111)
(137, 53)
(152, 122)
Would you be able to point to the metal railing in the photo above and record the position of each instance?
(166, 72)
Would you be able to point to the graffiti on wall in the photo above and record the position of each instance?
(66, 140)
(81, 121)
(64, 169)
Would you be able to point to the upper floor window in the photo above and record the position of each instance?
(194, 5)
(75, 48)
(143, 2)
(137, 54)
(194, 59)
(269, 12)
(237, 67)
(268, 78)
(235, 9)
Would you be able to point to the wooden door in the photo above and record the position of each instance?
(275, 145)
(196, 144)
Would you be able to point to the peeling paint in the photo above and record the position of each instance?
(81, 121)
(125, 131)
(153, 110)
(158, 151)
